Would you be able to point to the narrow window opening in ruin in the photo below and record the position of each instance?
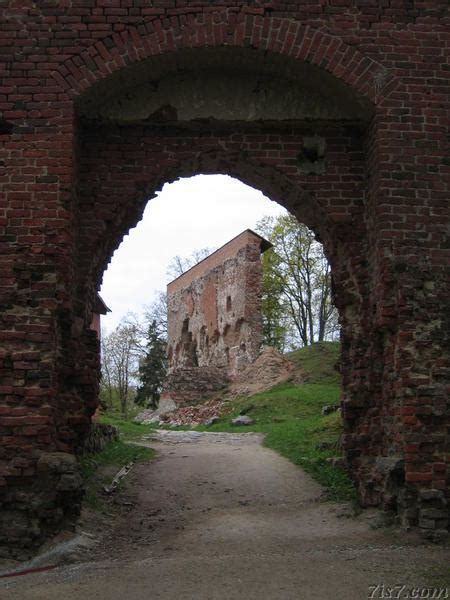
(226, 333)
(194, 354)
(185, 327)
(239, 324)
(228, 303)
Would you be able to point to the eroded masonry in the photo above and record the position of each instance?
(339, 111)
(214, 319)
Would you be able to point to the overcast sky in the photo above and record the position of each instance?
(189, 214)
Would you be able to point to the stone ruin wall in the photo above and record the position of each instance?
(214, 319)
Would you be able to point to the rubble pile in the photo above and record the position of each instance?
(201, 414)
(269, 369)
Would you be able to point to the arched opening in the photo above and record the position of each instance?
(295, 125)
(179, 115)
(297, 102)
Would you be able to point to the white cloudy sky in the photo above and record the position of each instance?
(189, 214)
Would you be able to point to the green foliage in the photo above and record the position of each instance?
(110, 403)
(117, 454)
(296, 291)
(152, 369)
(128, 429)
(120, 356)
(272, 309)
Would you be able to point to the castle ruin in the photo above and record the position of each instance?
(214, 319)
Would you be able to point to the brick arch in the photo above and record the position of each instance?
(95, 253)
(396, 316)
(282, 36)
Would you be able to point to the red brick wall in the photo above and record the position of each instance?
(69, 191)
(215, 259)
(214, 311)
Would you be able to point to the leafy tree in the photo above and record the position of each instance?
(297, 308)
(157, 311)
(152, 368)
(274, 319)
(120, 358)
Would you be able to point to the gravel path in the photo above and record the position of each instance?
(218, 516)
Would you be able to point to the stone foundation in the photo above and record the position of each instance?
(54, 498)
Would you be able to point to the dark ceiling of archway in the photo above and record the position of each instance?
(223, 84)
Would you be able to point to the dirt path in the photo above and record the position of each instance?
(217, 516)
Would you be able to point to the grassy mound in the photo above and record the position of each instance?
(318, 362)
(129, 430)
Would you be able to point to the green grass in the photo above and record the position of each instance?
(98, 469)
(318, 362)
(128, 429)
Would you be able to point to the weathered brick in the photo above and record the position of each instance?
(379, 204)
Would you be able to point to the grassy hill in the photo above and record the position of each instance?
(318, 362)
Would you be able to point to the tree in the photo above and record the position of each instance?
(157, 311)
(152, 368)
(273, 311)
(179, 265)
(121, 351)
(297, 307)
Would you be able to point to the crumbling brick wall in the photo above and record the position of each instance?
(214, 320)
(214, 309)
(82, 150)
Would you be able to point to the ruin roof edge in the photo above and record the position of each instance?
(265, 245)
(99, 306)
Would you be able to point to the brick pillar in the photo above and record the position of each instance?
(405, 419)
(39, 479)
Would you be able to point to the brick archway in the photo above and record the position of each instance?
(217, 28)
(77, 180)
